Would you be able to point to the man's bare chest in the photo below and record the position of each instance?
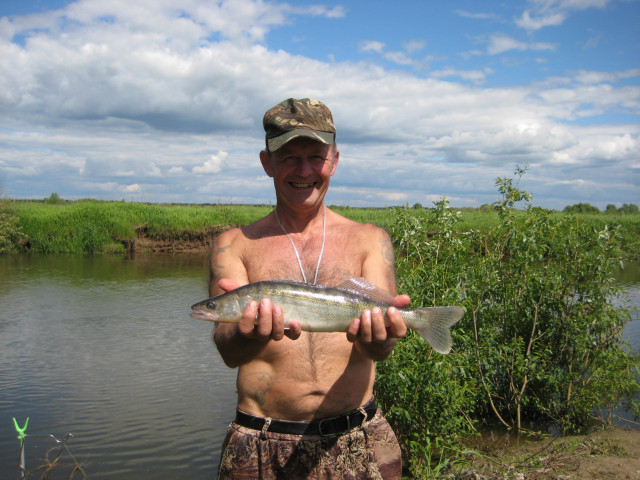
(275, 258)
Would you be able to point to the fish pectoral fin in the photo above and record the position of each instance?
(362, 286)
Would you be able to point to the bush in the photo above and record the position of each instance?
(581, 208)
(540, 340)
(10, 233)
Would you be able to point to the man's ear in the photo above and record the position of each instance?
(265, 159)
(336, 157)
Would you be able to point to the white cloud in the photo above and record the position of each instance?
(552, 19)
(475, 76)
(553, 12)
(371, 46)
(213, 165)
(142, 101)
(413, 46)
(500, 43)
(394, 56)
(477, 15)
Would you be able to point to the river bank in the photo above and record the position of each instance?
(612, 453)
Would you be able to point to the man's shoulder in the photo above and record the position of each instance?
(253, 231)
(359, 227)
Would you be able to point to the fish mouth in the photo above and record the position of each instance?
(200, 315)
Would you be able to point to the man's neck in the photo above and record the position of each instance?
(301, 221)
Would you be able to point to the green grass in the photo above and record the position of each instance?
(97, 227)
(90, 226)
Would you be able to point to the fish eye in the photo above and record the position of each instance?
(211, 305)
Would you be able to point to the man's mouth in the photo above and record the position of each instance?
(302, 185)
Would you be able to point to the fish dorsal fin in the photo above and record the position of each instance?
(362, 286)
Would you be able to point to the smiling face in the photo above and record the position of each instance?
(301, 171)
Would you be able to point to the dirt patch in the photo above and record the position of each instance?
(608, 454)
(179, 242)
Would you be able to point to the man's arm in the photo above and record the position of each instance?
(369, 332)
(239, 343)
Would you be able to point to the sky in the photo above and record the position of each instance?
(162, 101)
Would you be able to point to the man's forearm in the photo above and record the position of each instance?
(377, 351)
(235, 348)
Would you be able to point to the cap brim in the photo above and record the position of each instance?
(275, 143)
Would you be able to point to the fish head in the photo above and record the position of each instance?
(223, 308)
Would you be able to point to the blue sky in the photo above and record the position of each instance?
(162, 101)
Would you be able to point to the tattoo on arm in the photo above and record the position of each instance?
(387, 251)
(388, 256)
(216, 267)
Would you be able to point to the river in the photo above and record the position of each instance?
(103, 348)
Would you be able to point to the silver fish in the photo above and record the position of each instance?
(328, 309)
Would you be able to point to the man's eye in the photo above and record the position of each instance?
(288, 161)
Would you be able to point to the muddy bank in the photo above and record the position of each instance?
(607, 454)
(180, 242)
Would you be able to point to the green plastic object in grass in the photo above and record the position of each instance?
(21, 431)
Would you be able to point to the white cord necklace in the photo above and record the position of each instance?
(324, 236)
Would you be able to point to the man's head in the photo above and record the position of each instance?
(298, 117)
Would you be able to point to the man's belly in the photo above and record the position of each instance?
(317, 376)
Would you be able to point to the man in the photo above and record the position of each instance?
(305, 400)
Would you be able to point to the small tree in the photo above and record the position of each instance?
(611, 208)
(53, 199)
(630, 208)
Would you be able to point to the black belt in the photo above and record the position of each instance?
(324, 426)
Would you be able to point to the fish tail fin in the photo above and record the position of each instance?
(433, 324)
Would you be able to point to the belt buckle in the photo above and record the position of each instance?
(321, 422)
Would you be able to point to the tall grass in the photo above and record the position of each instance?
(89, 226)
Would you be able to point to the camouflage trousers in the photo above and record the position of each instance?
(368, 452)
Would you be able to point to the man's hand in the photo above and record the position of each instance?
(270, 318)
(376, 334)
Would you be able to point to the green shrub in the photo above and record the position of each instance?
(10, 232)
(540, 339)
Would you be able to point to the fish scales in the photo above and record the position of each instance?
(328, 309)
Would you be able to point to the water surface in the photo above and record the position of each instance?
(103, 347)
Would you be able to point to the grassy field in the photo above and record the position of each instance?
(89, 227)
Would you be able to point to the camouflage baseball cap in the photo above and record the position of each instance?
(298, 117)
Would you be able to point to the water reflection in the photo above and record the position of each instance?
(629, 279)
(104, 348)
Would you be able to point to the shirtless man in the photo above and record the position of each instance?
(305, 400)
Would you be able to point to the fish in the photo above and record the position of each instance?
(329, 309)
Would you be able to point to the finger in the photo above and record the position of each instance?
(265, 318)
(378, 328)
(352, 331)
(294, 331)
(397, 327)
(401, 301)
(227, 284)
(365, 327)
(247, 323)
(277, 329)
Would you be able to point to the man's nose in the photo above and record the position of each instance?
(305, 167)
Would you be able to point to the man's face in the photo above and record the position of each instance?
(301, 171)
